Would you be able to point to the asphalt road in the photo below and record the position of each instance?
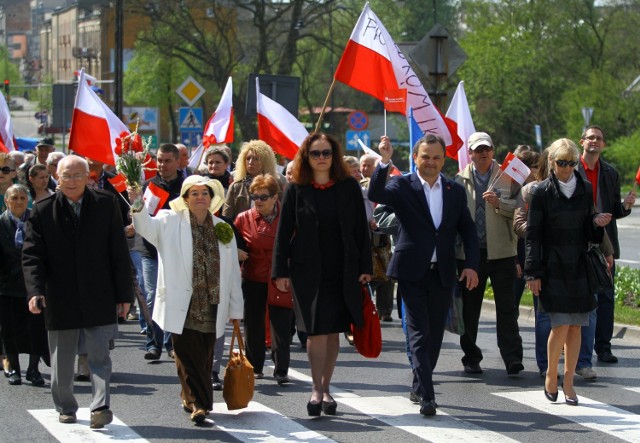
(372, 397)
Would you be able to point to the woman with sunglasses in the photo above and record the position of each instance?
(323, 253)
(561, 223)
(256, 157)
(258, 227)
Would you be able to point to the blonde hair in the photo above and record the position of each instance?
(563, 148)
(262, 150)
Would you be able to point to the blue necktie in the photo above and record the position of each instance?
(19, 238)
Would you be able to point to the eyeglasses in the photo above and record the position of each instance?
(594, 138)
(6, 170)
(565, 163)
(261, 197)
(75, 177)
(326, 153)
(482, 148)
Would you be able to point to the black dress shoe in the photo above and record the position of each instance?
(153, 354)
(414, 397)
(34, 376)
(472, 368)
(428, 407)
(15, 378)
(329, 407)
(607, 357)
(313, 409)
(82, 377)
(515, 367)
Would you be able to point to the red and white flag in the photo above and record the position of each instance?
(7, 142)
(514, 167)
(459, 112)
(154, 198)
(94, 127)
(277, 127)
(119, 182)
(219, 128)
(372, 63)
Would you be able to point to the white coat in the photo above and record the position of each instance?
(170, 233)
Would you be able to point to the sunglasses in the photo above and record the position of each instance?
(483, 148)
(327, 153)
(565, 163)
(262, 198)
(6, 170)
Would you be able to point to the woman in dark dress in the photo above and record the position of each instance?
(323, 251)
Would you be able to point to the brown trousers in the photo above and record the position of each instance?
(194, 358)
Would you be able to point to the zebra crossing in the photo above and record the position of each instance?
(262, 423)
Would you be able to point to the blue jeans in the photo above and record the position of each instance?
(136, 258)
(156, 338)
(542, 329)
(587, 335)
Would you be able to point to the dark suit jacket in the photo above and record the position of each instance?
(11, 279)
(83, 269)
(609, 190)
(296, 252)
(417, 235)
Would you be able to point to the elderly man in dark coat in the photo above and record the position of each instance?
(77, 270)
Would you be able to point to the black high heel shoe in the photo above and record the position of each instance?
(551, 396)
(571, 401)
(329, 407)
(313, 409)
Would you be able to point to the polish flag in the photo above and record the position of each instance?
(459, 112)
(277, 127)
(94, 127)
(7, 142)
(154, 198)
(372, 63)
(219, 128)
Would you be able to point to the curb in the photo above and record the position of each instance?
(620, 330)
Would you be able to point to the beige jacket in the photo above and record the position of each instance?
(501, 240)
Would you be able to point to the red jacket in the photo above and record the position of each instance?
(260, 237)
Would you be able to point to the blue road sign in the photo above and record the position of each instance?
(191, 139)
(190, 120)
(352, 139)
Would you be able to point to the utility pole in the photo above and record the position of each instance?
(118, 59)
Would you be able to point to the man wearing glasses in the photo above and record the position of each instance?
(606, 195)
(492, 203)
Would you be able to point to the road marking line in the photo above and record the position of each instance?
(633, 262)
(590, 413)
(258, 422)
(80, 431)
(400, 413)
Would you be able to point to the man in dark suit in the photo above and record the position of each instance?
(431, 211)
(183, 164)
(606, 195)
(77, 269)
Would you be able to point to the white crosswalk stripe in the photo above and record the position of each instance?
(590, 413)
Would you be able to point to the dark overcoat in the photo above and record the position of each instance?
(11, 279)
(559, 230)
(83, 268)
(296, 253)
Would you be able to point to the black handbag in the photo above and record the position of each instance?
(598, 273)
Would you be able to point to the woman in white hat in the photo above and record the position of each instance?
(199, 285)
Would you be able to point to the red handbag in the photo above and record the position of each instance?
(275, 297)
(368, 338)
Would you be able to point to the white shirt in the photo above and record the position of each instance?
(433, 194)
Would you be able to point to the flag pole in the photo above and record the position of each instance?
(385, 121)
(319, 122)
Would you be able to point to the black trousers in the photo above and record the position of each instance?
(22, 332)
(194, 358)
(255, 307)
(427, 304)
(502, 273)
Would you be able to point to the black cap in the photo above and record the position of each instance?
(47, 141)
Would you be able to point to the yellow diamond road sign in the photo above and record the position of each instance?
(190, 91)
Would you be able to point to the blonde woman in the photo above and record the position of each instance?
(256, 157)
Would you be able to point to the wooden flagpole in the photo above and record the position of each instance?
(319, 122)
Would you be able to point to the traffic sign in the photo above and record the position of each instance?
(358, 120)
(191, 139)
(190, 120)
(352, 139)
(190, 91)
